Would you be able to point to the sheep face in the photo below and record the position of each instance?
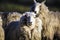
(30, 18)
(37, 6)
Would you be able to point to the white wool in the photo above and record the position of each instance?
(14, 16)
(2, 36)
(1, 21)
(39, 23)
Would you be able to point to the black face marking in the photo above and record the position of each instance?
(24, 20)
(35, 12)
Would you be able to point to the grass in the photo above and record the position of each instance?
(8, 7)
(13, 7)
(54, 8)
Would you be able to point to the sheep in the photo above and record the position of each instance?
(8, 17)
(27, 28)
(12, 23)
(50, 20)
(32, 28)
(2, 35)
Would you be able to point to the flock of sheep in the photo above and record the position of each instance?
(37, 24)
(21, 27)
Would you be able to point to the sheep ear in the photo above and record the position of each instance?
(35, 1)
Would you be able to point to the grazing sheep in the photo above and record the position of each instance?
(32, 28)
(2, 36)
(50, 20)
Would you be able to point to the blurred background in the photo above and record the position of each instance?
(24, 5)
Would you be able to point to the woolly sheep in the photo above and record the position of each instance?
(50, 20)
(13, 19)
(26, 29)
(36, 27)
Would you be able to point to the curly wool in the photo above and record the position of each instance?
(2, 34)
